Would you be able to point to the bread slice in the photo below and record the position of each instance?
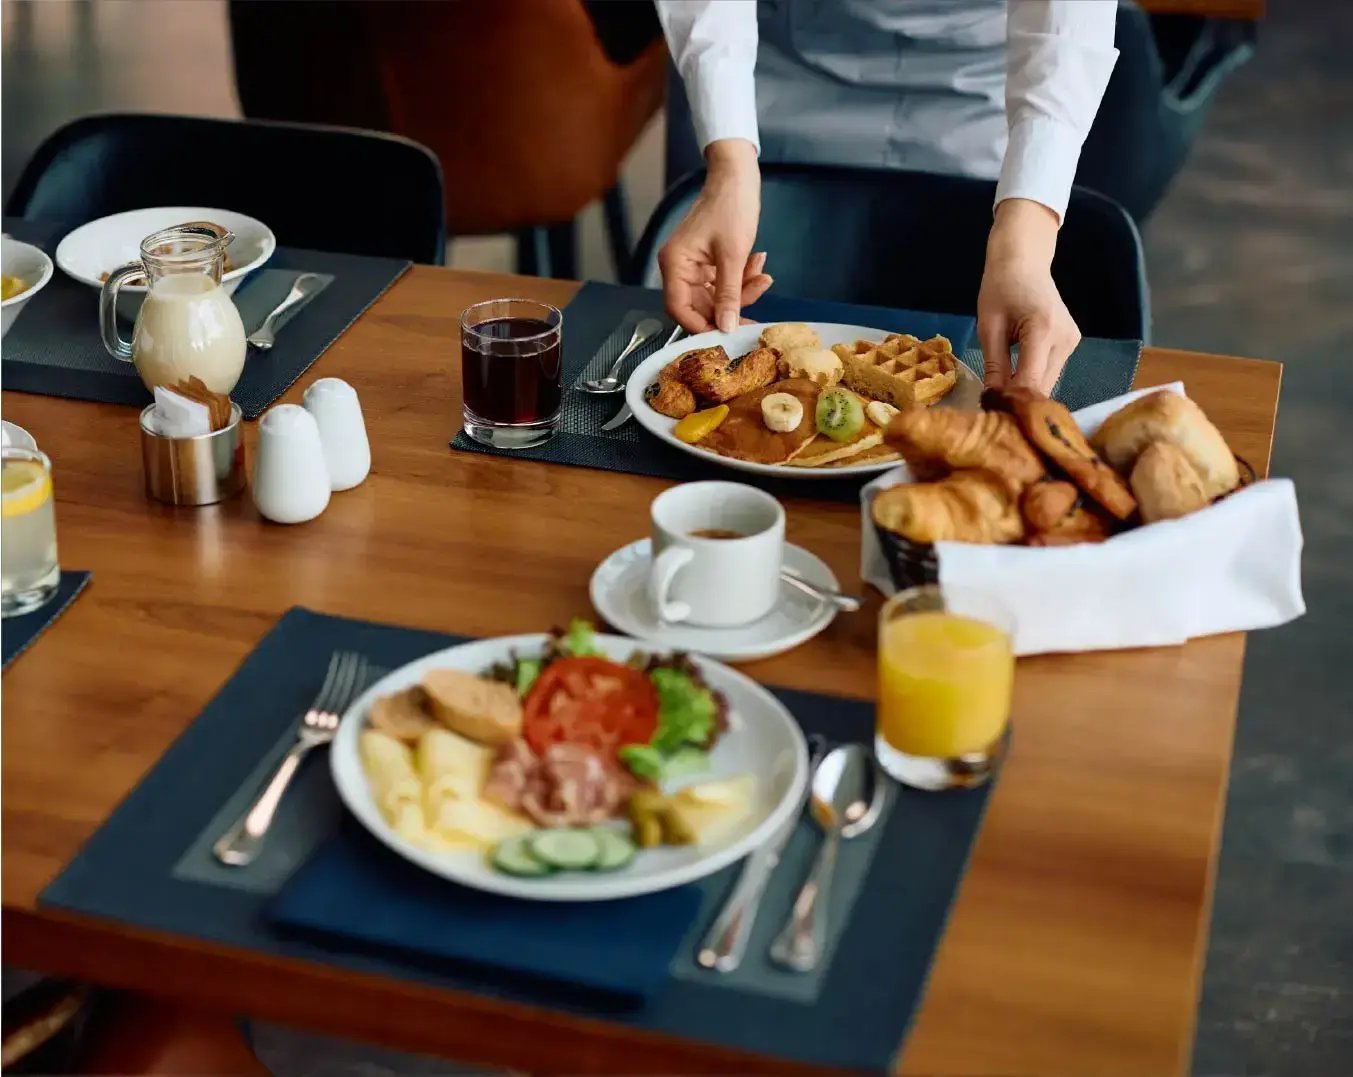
(482, 710)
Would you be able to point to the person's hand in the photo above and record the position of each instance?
(709, 272)
(1020, 304)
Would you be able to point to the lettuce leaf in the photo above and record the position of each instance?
(686, 711)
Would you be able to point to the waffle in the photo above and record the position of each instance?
(900, 369)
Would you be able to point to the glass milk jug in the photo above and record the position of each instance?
(187, 325)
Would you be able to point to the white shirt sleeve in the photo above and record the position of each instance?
(1060, 56)
(713, 44)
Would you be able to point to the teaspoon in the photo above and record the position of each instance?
(645, 331)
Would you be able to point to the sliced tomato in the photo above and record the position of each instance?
(590, 701)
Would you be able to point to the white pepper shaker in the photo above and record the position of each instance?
(291, 481)
(342, 431)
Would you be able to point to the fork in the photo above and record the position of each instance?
(346, 677)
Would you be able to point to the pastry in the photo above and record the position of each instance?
(1049, 425)
(743, 435)
(716, 379)
(821, 365)
(968, 506)
(900, 369)
(787, 336)
(1167, 485)
(1081, 524)
(928, 438)
(669, 395)
(1167, 416)
(1045, 504)
(402, 715)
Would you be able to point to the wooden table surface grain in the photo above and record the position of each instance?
(1252, 10)
(1076, 942)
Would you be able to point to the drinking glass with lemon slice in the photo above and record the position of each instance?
(29, 572)
(944, 688)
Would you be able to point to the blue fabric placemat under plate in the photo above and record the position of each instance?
(54, 347)
(598, 322)
(20, 633)
(147, 867)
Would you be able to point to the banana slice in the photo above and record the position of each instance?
(880, 412)
(782, 412)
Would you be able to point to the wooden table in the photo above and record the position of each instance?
(1251, 10)
(1077, 940)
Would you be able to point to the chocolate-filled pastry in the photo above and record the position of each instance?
(1049, 425)
(1167, 416)
(669, 395)
(968, 506)
(927, 437)
(1167, 485)
(715, 378)
(1081, 524)
(1046, 504)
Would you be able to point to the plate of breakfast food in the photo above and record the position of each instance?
(569, 766)
(795, 399)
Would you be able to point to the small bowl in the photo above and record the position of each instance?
(101, 246)
(32, 266)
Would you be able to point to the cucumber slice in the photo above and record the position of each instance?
(513, 857)
(565, 848)
(616, 849)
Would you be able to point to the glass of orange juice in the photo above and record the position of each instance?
(944, 688)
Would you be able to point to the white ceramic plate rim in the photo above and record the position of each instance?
(65, 250)
(747, 652)
(742, 340)
(467, 868)
(43, 277)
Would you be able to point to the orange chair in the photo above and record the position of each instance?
(518, 98)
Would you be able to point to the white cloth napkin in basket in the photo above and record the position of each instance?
(1231, 567)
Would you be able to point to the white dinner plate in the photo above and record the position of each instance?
(966, 394)
(762, 739)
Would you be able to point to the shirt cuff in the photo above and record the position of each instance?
(1040, 163)
(722, 94)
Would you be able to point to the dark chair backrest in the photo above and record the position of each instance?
(917, 240)
(325, 188)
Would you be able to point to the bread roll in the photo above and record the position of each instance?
(1167, 416)
(1167, 485)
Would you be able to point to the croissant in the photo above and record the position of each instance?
(987, 440)
(968, 506)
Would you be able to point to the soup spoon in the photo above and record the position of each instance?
(645, 331)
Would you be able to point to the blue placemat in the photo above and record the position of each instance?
(597, 325)
(54, 347)
(354, 892)
(19, 633)
(140, 868)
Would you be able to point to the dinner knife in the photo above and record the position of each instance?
(726, 941)
(625, 414)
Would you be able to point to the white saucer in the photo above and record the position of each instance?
(620, 594)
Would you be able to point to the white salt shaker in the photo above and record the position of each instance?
(342, 431)
(291, 481)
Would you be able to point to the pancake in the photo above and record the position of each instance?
(828, 452)
(745, 436)
(879, 454)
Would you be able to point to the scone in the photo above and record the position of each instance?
(1049, 425)
(1167, 485)
(1167, 416)
(787, 336)
(821, 365)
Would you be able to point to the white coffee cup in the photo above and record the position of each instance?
(716, 582)
(342, 431)
(291, 480)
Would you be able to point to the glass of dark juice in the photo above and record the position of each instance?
(512, 362)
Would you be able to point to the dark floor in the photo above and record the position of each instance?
(1251, 254)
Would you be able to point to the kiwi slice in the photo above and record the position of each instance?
(840, 415)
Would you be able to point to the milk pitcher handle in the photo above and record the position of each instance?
(117, 347)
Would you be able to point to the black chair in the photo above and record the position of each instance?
(325, 188)
(917, 240)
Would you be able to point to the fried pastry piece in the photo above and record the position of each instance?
(1049, 425)
(716, 379)
(1046, 504)
(669, 395)
(1167, 416)
(968, 506)
(1081, 524)
(789, 335)
(932, 437)
(1166, 483)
